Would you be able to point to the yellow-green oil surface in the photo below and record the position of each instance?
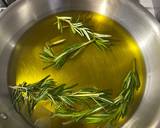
(92, 68)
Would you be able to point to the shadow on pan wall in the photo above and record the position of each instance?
(5, 3)
(156, 6)
(153, 6)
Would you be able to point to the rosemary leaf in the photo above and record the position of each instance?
(56, 42)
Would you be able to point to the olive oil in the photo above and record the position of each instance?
(92, 68)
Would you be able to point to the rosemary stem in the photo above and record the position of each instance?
(70, 50)
(88, 42)
(87, 95)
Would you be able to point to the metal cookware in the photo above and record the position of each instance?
(136, 19)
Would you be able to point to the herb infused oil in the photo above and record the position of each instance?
(92, 68)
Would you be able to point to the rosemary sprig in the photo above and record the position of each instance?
(30, 94)
(76, 27)
(61, 96)
(89, 104)
(109, 113)
(59, 60)
(101, 41)
(121, 103)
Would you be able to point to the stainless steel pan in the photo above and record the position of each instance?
(143, 27)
